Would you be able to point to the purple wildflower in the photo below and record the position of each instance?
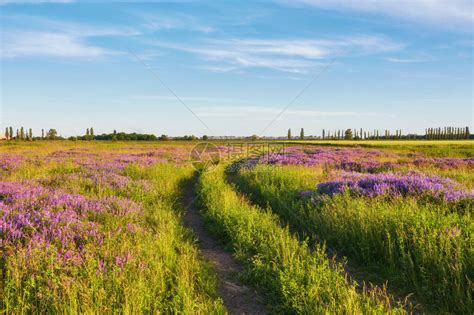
(396, 184)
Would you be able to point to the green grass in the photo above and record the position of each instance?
(293, 278)
(164, 274)
(404, 241)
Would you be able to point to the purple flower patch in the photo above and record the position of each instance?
(396, 184)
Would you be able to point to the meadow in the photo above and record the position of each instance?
(319, 227)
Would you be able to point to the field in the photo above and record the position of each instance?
(316, 227)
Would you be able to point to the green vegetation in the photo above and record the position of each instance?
(139, 260)
(294, 278)
(96, 227)
(425, 248)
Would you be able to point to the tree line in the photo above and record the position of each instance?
(441, 133)
(52, 134)
(23, 134)
(447, 133)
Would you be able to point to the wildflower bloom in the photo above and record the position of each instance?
(350, 159)
(396, 184)
(34, 214)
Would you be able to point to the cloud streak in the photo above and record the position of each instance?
(290, 55)
(38, 36)
(445, 13)
(16, 44)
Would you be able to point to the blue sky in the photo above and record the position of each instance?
(403, 64)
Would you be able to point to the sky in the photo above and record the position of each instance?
(236, 68)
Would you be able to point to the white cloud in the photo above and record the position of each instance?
(42, 24)
(296, 56)
(415, 58)
(446, 13)
(40, 36)
(16, 44)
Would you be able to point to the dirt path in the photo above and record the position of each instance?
(238, 298)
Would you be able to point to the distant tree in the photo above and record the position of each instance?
(205, 138)
(52, 134)
(87, 134)
(22, 133)
(163, 137)
(324, 134)
(253, 137)
(92, 133)
(11, 133)
(30, 134)
(6, 133)
(348, 134)
(467, 133)
(17, 134)
(289, 134)
(302, 134)
(42, 133)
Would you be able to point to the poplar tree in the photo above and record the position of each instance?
(348, 134)
(22, 133)
(467, 133)
(92, 133)
(30, 134)
(302, 134)
(6, 133)
(42, 133)
(289, 134)
(324, 134)
(11, 132)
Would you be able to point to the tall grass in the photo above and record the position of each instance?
(294, 279)
(426, 248)
(147, 262)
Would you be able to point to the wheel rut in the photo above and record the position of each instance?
(238, 298)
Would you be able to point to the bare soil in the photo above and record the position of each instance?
(238, 297)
